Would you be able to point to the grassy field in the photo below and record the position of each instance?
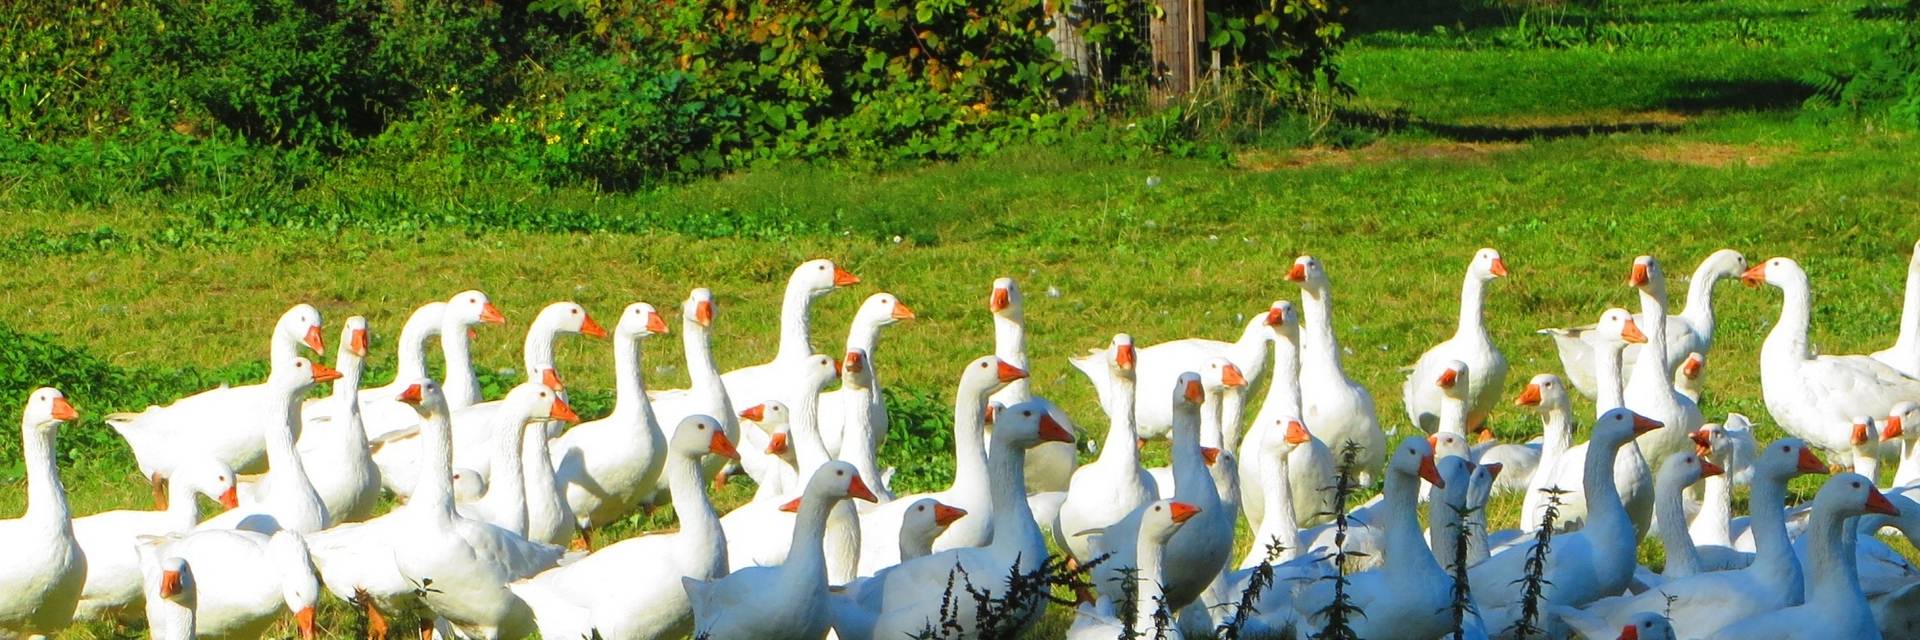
(1571, 144)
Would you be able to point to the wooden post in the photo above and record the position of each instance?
(1069, 17)
(1173, 60)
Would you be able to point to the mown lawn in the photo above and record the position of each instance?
(1674, 131)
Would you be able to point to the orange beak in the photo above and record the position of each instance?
(777, 445)
(591, 329)
(170, 584)
(1431, 473)
(551, 379)
(1631, 333)
(858, 489)
(1231, 376)
(991, 413)
(856, 363)
(1194, 392)
(723, 447)
(793, 505)
(411, 395)
(357, 345)
(1810, 463)
(1629, 632)
(1297, 433)
(1486, 436)
(304, 620)
(755, 413)
(944, 515)
(843, 277)
(1051, 431)
(1755, 276)
(1638, 277)
(1709, 469)
(1276, 316)
(1859, 434)
(1210, 454)
(491, 315)
(702, 315)
(1493, 469)
(1877, 502)
(63, 411)
(230, 498)
(1139, 443)
(1693, 365)
(901, 312)
(1000, 299)
(1499, 268)
(562, 411)
(1010, 373)
(1893, 429)
(1447, 377)
(1702, 442)
(313, 340)
(1125, 357)
(1643, 424)
(1182, 512)
(1298, 273)
(1433, 441)
(658, 325)
(324, 373)
(1529, 396)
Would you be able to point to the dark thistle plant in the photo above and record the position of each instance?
(1462, 602)
(1257, 582)
(1341, 611)
(1005, 614)
(1534, 583)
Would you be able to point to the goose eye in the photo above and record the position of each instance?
(821, 267)
(543, 394)
(576, 312)
(1156, 507)
(842, 473)
(1026, 413)
(473, 301)
(1856, 485)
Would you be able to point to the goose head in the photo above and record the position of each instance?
(820, 277)
(1450, 445)
(1852, 494)
(1694, 367)
(1413, 460)
(353, 338)
(1545, 393)
(1189, 390)
(1725, 264)
(46, 409)
(1487, 265)
(1617, 329)
(833, 481)
(1776, 271)
(1647, 277)
(1159, 520)
(987, 374)
(1863, 435)
(699, 435)
(174, 581)
(468, 486)
(1685, 468)
(534, 403)
(699, 308)
(1786, 458)
(1028, 424)
(1122, 358)
(1619, 426)
(640, 320)
(927, 518)
(299, 588)
(1220, 374)
(882, 309)
(1005, 300)
(771, 416)
(426, 399)
(301, 324)
(1483, 476)
(1280, 439)
(855, 370)
(469, 308)
(210, 478)
(1452, 380)
(298, 374)
(815, 372)
(1904, 415)
(1646, 626)
(568, 317)
(1308, 273)
(1284, 320)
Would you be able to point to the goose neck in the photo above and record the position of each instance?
(1909, 339)
(1232, 403)
(1123, 436)
(411, 360)
(1558, 435)
(795, 324)
(969, 449)
(46, 496)
(1250, 351)
(351, 368)
(1012, 518)
(283, 457)
(809, 448)
(1278, 525)
(806, 552)
(1010, 346)
(1316, 314)
(1713, 525)
(1605, 512)
(697, 341)
(856, 440)
(1453, 415)
(1832, 575)
(1405, 548)
(1608, 394)
(1473, 298)
(462, 388)
(506, 489)
(1699, 307)
(1210, 419)
(1789, 336)
(690, 503)
(1682, 558)
(629, 385)
(1773, 549)
(1149, 575)
(536, 351)
(433, 487)
(1653, 308)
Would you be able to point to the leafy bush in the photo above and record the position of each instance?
(1885, 80)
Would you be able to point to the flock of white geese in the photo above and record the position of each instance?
(494, 493)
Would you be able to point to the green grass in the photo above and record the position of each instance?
(1675, 133)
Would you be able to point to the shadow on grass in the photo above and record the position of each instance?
(1683, 98)
(1385, 123)
(1752, 94)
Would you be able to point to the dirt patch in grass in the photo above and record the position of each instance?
(1270, 160)
(1712, 155)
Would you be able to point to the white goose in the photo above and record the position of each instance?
(971, 489)
(877, 312)
(386, 418)
(1161, 364)
(858, 396)
(1280, 530)
(748, 386)
(1711, 529)
(1310, 464)
(1865, 446)
(1653, 394)
(926, 520)
(246, 579)
(1522, 464)
(41, 579)
(1632, 478)
(410, 357)
(1835, 606)
(602, 593)
(1678, 472)
(706, 393)
(220, 423)
(1113, 485)
(109, 540)
(608, 465)
(1816, 397)
(1595, 562)
(773, 474)
(290, 501)
(1689, 332)
(1050, 466)
(549, 519)
(1469, 344)
(170, 593)
(1100, 620)
(1707, 602)
(1402, 595)
(788, 600)
(905, 598)
(1200, 550)
(505, 503)
(1337, 409)
(1690, 380)
(756, 531)
(1898, 421)
(469, 562)
(1479, 489)
(1904, 355)
(333, 442)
